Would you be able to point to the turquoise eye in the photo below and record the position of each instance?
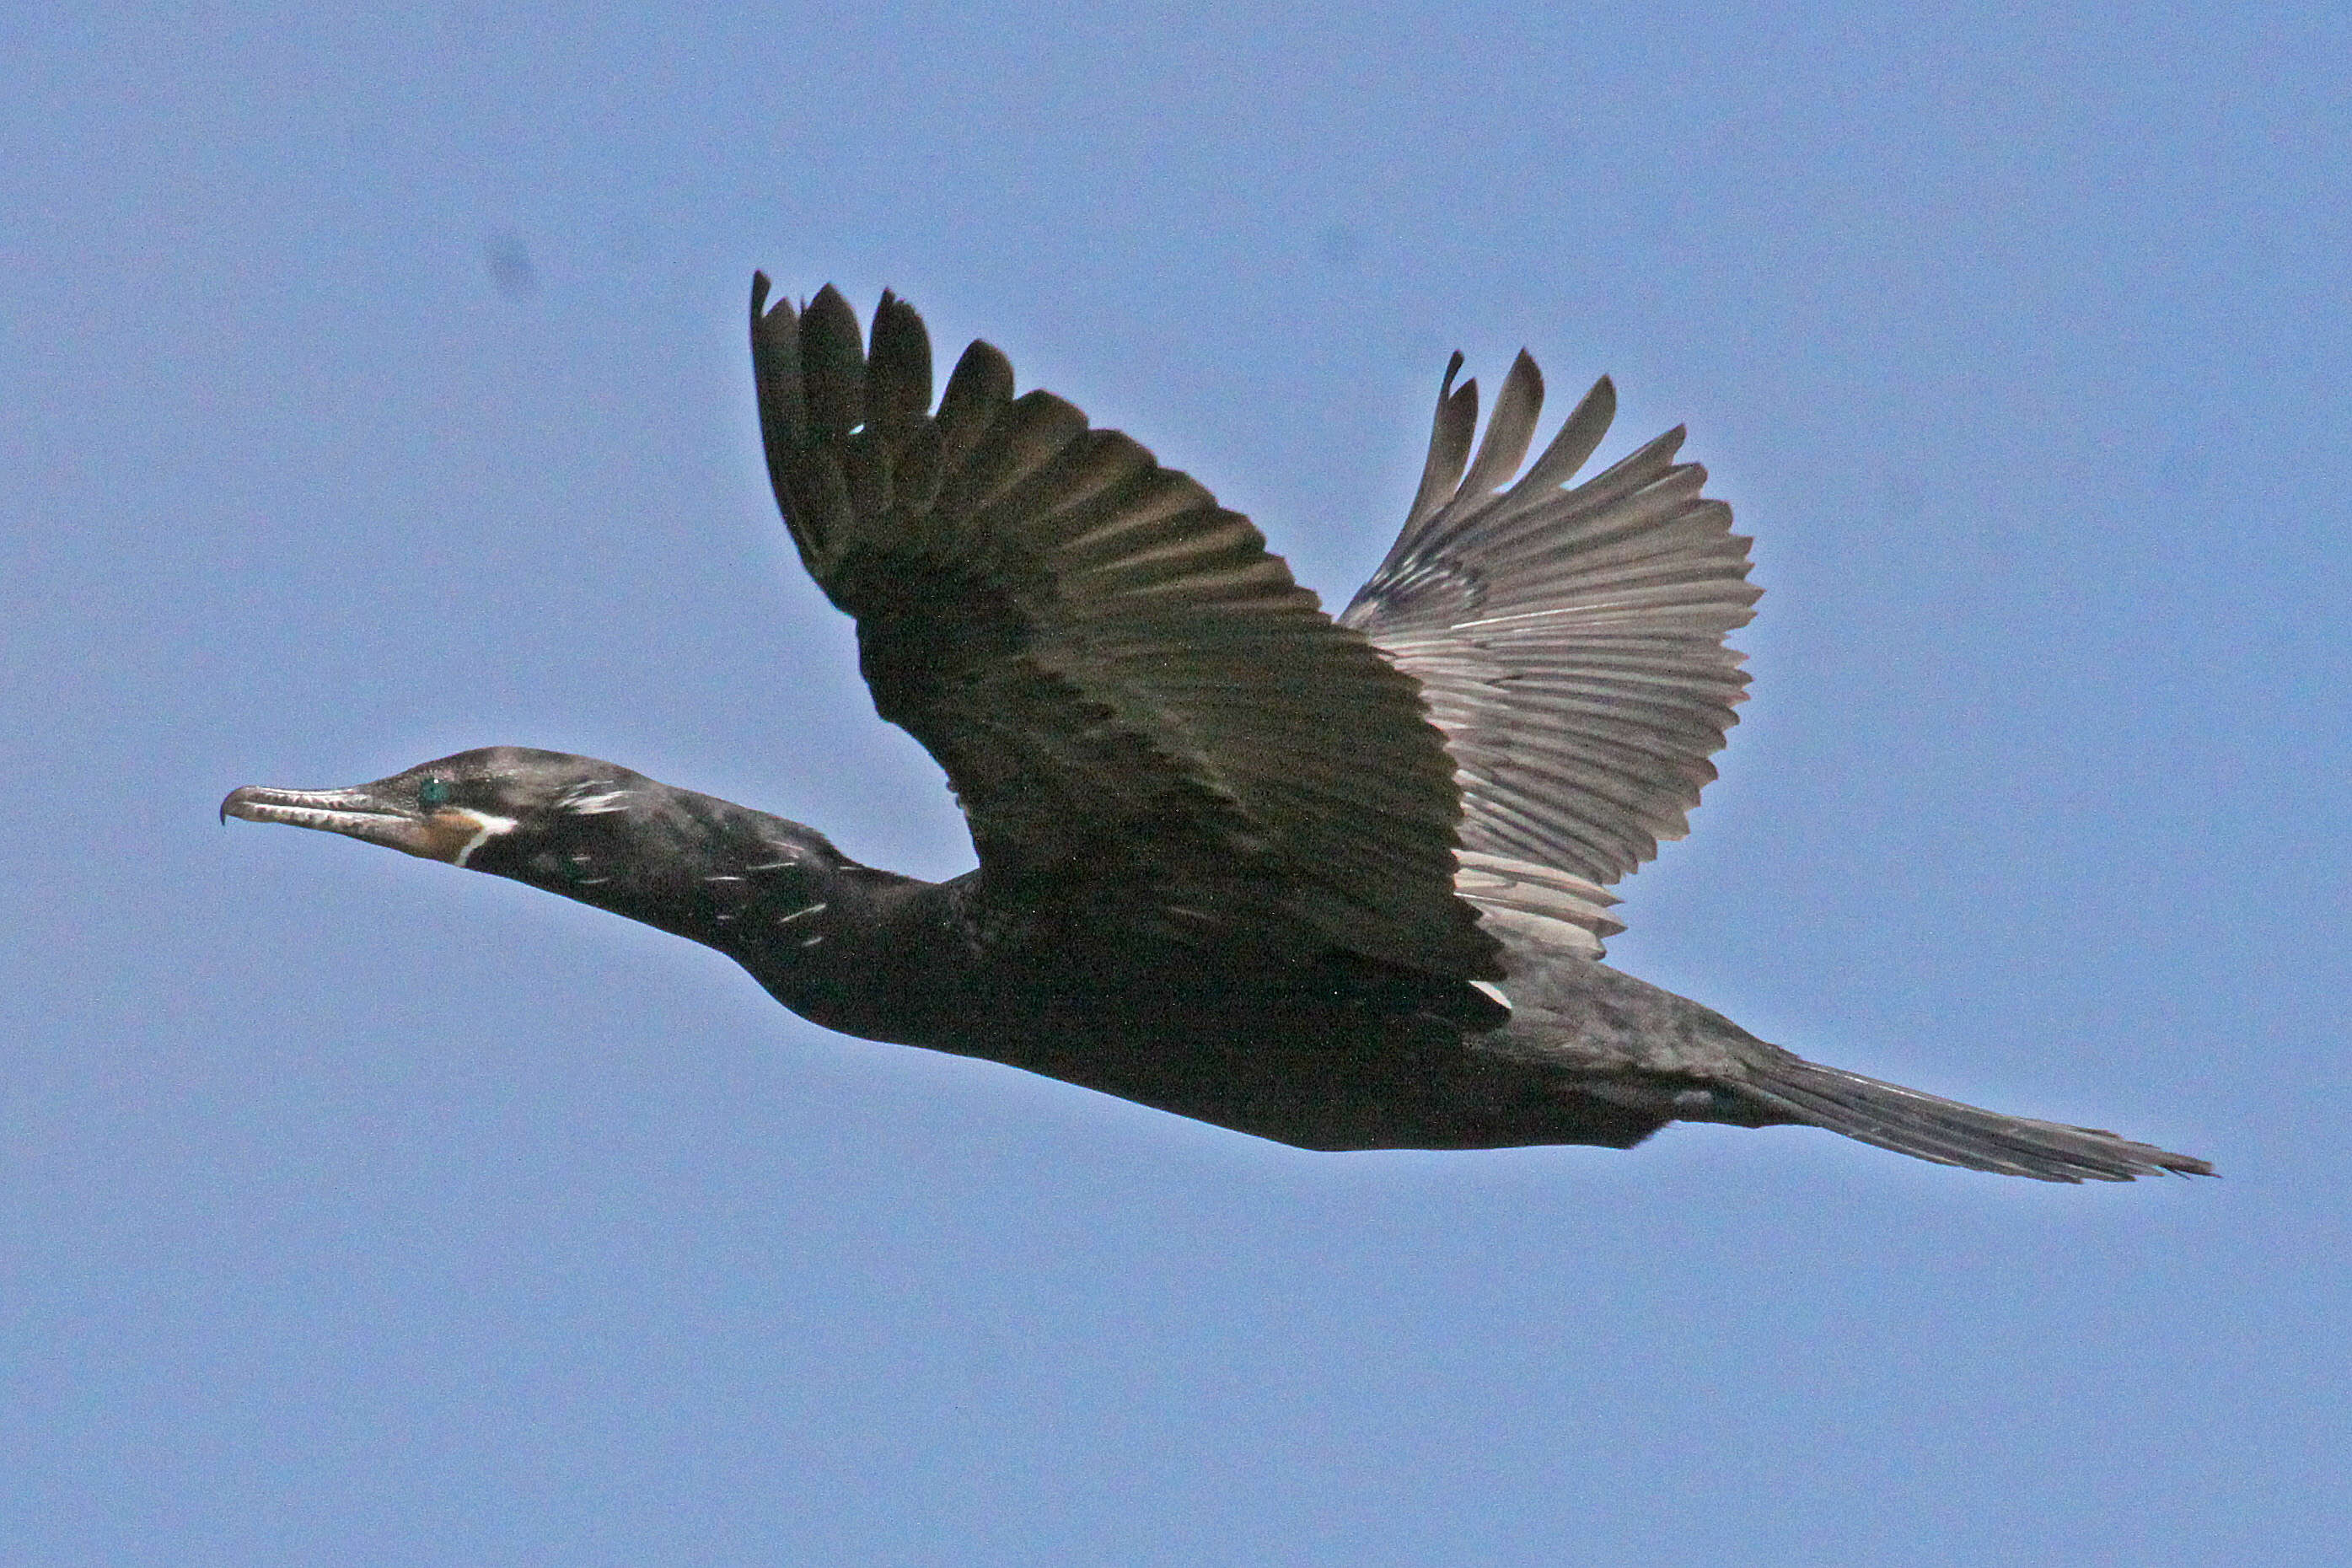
(433, 794)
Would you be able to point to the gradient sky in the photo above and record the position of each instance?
(374, 388)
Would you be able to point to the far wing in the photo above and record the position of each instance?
(1571, 642)
(1128, 692)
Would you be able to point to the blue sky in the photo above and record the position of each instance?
(375, 388)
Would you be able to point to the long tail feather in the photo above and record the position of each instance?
(1949, 1132)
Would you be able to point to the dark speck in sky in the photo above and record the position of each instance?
(1339, 247)
(509, 260)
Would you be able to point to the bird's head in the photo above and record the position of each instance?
(492, 809)
(689, 864)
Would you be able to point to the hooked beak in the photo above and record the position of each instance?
(447, 835)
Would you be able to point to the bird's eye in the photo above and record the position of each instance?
(433, 794)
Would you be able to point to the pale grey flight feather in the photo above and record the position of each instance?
(1569, 643)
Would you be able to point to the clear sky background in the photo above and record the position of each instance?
(374, 388)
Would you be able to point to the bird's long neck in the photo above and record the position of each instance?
(837, 942)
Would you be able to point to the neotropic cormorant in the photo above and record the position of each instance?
(1333, 882)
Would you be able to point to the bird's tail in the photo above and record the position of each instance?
(1946, 1130)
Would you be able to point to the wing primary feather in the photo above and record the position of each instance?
(776, 367)
(833, 365)
(1517, 405)
(1643, 465)
(898, 371)
(1449, 443)
(977, 388)
(1579, 438)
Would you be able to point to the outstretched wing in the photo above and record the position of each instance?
(1128, 692)
(1571, 643)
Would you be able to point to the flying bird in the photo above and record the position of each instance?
(1334, 882)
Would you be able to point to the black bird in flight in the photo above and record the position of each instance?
(1335, 882)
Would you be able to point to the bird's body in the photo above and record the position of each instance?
(1331, 883)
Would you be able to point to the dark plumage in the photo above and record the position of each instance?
(1338, 883)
